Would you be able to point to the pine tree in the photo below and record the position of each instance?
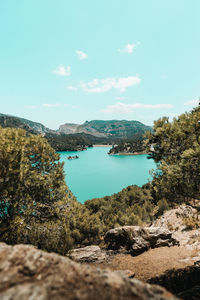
(33, 193)
(175, 147)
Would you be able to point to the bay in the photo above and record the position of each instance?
(96, 174)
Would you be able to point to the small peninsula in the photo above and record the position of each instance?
(133, 147)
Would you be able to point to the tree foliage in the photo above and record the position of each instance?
(33, 193)
(30, 174)
(132, 206)
(175, 146)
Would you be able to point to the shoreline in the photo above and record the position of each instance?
(99, 145)
(128, 153)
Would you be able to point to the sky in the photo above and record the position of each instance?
(65, 61)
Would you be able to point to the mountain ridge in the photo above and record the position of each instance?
(98, 128)
(106, 128)
(14, 121)
(72, 137)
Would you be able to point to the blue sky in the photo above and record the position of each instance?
(70, 61)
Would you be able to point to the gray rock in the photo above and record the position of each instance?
(136, 239)
(30, 274)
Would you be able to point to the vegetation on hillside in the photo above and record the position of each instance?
(132, 206)
(73, 142)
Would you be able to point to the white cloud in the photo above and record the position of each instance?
(62, 71)
(51, 105)
(30, 106)
(192, 102)
(128, 48)
(104, 85)
(72, 88)
(122, 108)
(81, 55)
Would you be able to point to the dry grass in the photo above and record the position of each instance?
(153, 262)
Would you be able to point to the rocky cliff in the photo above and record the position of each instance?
(28, 125)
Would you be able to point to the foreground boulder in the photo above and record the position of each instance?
(136, 239)
(27, 273)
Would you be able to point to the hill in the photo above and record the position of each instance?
(113, 129)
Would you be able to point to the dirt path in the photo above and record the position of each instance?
(153, 262)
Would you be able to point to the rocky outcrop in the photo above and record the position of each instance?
(185, 283)
(27, 273)
(28, 125)
(89, 254)
(136, 239)
(184, 223)
(176, 219)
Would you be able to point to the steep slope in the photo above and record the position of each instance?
(28, 125)
(12, 122)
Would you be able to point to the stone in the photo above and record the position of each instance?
(175, 219)
(89, 254)
(135, 239)
(27, 273)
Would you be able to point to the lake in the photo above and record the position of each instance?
(97, 174)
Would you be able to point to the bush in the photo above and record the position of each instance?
(132, 206)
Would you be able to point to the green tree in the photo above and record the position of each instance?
(33, 192)
(175, 146)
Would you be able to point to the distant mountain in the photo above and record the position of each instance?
(30, 126)
(58, 140)
(113, 129)
(74, 136)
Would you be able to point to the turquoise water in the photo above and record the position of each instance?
(97, 174)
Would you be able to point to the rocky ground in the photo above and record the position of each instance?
(28, 273)
(172, 242)
(166, 253)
